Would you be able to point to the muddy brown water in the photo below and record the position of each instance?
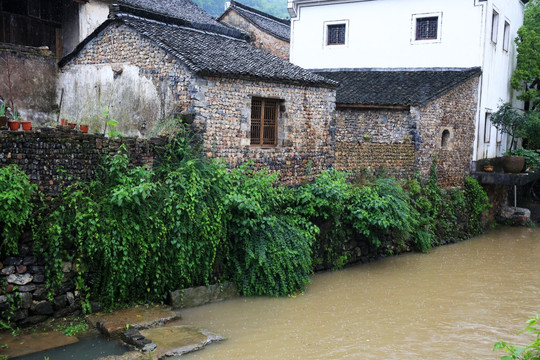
(453, 303)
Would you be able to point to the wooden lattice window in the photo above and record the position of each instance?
(264, 120)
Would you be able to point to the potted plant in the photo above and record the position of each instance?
(14, 124)
(3, 117)
(84, 128)
(488, 167)
(508, 120)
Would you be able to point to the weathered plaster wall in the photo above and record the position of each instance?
(223, 108)
(261, 39)
(375, 139)
(454, 112)
(33, 79)
(122, 71)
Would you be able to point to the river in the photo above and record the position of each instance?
(453, 303)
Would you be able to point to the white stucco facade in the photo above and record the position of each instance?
(382, 34)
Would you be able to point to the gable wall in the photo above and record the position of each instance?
(261, 39)
(455, 111)
(124, 72)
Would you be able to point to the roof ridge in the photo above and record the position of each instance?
(259, 12)
(117, 10)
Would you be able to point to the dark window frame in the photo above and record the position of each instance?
(424, 28)
(264, 122)
(336, 34)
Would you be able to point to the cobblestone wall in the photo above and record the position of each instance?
(260, 39)
(56, 157)
(454, 113)
(375, 139)
(305, 144)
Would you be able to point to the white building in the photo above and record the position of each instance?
(419, 35)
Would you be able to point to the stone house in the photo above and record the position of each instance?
(397, 121)
(417, 35)
(267, 32)
(248, 104)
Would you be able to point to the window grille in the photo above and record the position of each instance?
(336, 34)
(264, 119)
(427, 28)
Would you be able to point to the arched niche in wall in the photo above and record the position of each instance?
(446, 139)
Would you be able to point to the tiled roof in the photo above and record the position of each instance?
(206, 52)
(279, 28)
(181, 9)
(395, 87)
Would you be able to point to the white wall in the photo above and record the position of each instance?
(92, 14)
(381, 35)
(497, 67)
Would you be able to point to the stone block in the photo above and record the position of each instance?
(42, 308)
(19, 279)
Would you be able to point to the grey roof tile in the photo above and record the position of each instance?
(208, 51)
(280, 28)
(395, 87)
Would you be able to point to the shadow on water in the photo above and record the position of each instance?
(85, 349)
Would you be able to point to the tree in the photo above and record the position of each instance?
(526, 77)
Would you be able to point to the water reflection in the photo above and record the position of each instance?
(452, 303)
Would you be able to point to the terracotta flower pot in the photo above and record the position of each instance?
(513, 164)
(63, 122)
(26, 125)
(3, 122)
(84, 128)
(72, 125)
(488, 168)
(14, 125)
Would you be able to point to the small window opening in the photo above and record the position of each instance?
(335, 34)
(264, 121)
(445, 141)
(487, 128)
(427, 28)
(506, 37)
(494, 26)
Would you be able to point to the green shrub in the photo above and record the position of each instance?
(532, 158)
(527, 352)
(477, 203)
(15, 206)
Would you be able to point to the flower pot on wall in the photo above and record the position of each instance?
(84, 128)
(14, 125)
(513, 164)
(63, 122)
(26, 125)
(72, 125)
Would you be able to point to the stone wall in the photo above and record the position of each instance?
(56, 157)
(120, 70)
(375, 139)
(304, 145)
(33, 78)
(403, 142)
(259, 38)
(455, 113)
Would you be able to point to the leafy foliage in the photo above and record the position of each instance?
(532, 159)
(508, 120)
(527, 352)
(526, 76)
(15, 206)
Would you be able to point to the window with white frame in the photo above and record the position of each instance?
(487, 128)
(506, 37)
(494, 26)
(426, 28)
(335, 33)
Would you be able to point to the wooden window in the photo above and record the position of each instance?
(427, 28)
(506, 36)
(335, 34)
(494, 26)
(487, 128)
(264, 121)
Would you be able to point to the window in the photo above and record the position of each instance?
(427, 28)
(445, 139)
(264, 121)
(335, 34)
(494, 26)
(487, 128)
(506, 38)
